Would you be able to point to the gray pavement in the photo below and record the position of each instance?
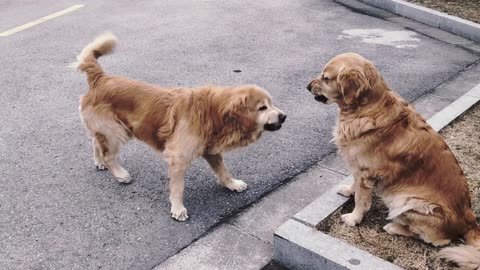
(57, 212)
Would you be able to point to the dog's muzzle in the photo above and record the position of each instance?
(276, 126)
(321, 98)
(309, 86)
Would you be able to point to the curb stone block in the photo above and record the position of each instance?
(298, 246)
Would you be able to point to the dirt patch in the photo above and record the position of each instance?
(463, 137)
(465, 9)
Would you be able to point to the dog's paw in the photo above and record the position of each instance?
(351, 219)
(179, 213)
(345, 190)
(390, 228)
(123, 176)
(236, 185)
(436, 242)
(100, 167)
(397, 229)
(441, 242)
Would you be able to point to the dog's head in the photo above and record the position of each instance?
(252, 107)
(344, 80)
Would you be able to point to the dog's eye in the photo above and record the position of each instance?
(325, 78)
(263, 108)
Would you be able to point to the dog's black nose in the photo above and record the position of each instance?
(282, 118)
(309, 86)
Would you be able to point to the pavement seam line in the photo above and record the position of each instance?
(246, 232)
(302, 221)
(450, 100)
(331, 170)
(449, 79)
(39, 21)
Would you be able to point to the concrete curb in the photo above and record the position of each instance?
(452, 24)
(456, 109)
(299, 245)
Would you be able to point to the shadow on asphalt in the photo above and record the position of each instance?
(274, 266)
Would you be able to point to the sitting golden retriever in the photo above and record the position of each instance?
(183, 123)
(391, 149)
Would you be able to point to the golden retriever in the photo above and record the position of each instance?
(182, 123)
(391, 149)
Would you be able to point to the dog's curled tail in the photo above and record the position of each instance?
(466, 256)
(87, 59)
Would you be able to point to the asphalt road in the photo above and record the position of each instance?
(58, 212)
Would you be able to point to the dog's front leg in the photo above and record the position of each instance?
(348, 190)
(224, 177)
(176, 171)
(363, 198)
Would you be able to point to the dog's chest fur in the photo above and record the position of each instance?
(353, 142)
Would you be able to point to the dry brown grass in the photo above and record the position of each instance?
(463, 137)
(465, 9)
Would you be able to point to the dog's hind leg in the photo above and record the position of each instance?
(176, 170)
(430, 228)
(97, 157)
(107, 150)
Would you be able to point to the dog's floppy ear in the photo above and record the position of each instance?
(353, 83)
(371, 73)
(238, 109)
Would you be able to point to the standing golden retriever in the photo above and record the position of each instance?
(183, 123)
(390, 148)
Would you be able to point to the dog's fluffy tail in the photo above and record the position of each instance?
(87, 59)
(467, 257)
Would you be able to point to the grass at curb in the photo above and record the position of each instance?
(465, 9)
(463, 137)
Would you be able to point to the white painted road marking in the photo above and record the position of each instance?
(399, 39)
(39, 21)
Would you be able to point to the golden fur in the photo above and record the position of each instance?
(391, 149)
(183, 123)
